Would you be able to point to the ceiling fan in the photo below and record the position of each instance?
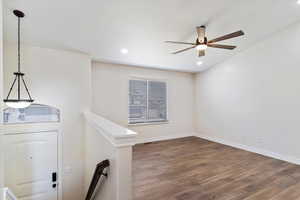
(202, 43)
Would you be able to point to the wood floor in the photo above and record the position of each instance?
(196, 169)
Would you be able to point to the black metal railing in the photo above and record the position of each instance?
(99, 172)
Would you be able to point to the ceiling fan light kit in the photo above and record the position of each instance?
(201, 47)
(19, 77)
(202, 43)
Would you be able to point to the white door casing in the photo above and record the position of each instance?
(30, 161)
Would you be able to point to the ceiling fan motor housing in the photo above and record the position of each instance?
(199, 43)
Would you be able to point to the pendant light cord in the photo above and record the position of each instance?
(19, 63)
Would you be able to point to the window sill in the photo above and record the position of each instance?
(148, 123)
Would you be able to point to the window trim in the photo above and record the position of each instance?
(154, 122)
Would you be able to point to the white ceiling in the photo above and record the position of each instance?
(101, 28)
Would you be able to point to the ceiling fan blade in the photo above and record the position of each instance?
(176, 52)
(226, 37)
(221, 46)
(173, 42)
(201, 53)
(201, 33)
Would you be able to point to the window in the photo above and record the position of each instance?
(35, 113)
(147, 101)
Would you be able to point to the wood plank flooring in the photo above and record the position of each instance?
(195, 169)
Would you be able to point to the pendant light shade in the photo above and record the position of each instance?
(18, 104)
(19, 77)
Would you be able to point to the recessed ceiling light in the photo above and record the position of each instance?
(298, 2)
(199, 63)
(124, 51)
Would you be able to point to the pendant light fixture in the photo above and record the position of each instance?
(18, 102)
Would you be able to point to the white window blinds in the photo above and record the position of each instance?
(147, 101)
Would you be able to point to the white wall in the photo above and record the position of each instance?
(97, 149)
(106, 140)
(110, 99)
(1, 95)
(253, 99)
(61, 79)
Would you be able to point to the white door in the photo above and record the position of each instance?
(31, 165)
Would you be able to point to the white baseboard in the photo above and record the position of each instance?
(263, 152)
(162, 138)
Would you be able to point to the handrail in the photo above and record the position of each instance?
(99, 171)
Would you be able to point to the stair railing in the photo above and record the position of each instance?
(99, 172)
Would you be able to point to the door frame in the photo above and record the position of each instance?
(15, 129)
